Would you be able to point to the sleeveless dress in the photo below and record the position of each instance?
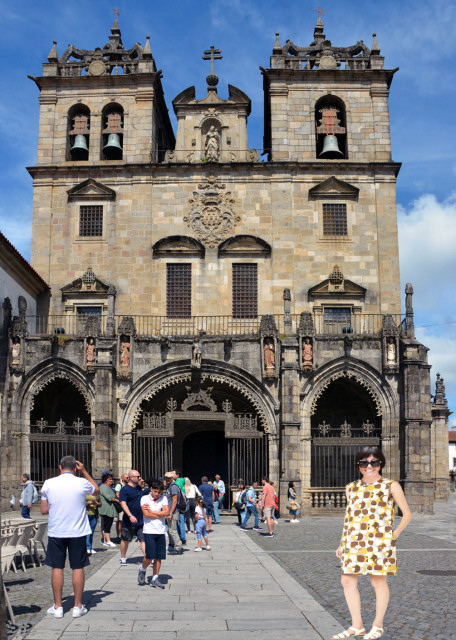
(368, 544)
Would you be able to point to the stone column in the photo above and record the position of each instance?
(439, 440)
(104, 417)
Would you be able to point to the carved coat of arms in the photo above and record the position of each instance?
(211, 214)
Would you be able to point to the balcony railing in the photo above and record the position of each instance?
(162, 326)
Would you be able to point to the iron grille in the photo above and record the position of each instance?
(91, 220)
(334, 219)
(179, 290)
(245, 291)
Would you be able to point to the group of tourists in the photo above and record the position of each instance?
(172, 504)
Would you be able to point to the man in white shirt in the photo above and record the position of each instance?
(221, 487)
(64, 499)
(155, 509)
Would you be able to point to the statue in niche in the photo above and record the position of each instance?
(269, 356)
(16, 352)
(90, 352)
(391, 352)
(307, 354)
(196, 353)
(212, 144)
(124, 351)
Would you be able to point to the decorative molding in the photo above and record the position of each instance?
(60, 375)
(244, 245)
(90, 190)
(200, 398)
(156, 388)
(178, 246)
(356, 378)
(333, 188)
(127, 327)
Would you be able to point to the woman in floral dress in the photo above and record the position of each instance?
(368, 545)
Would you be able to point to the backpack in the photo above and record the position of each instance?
(183, 504)
(36, 496)
(244, 497)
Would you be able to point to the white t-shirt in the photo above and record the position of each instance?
(201, 512)
(154, 525)
(66, 497)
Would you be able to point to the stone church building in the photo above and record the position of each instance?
(211, 308)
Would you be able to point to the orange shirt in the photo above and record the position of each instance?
(268, 495)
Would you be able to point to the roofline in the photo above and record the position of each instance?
(43, 286)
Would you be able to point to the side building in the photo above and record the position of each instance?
(211, 311)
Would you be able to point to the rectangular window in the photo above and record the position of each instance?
(91, 220)
(334, 219)
(179, 290)
(337, 320)
(245, 291)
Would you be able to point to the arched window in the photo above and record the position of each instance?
(331, 128)
(112, 132)
(78, 139)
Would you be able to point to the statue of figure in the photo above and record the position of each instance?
(212, 144)
(269, 356)
(307, 354)
(16, 352)
(196, 353)
(390, 352)
(90, 352)
(124, 351)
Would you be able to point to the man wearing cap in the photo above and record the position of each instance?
(172, 494)
(132, 523)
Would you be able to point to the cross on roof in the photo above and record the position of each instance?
(212, 54)
(116, 11)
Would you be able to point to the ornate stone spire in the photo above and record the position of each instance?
(440, 397)
(147, 53)
(375, 49)
(409, 321)
(319, 35)
(115, 38)
(53, 57)
(277, 49)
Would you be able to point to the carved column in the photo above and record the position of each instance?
(287, 321)
(440, 414)
(110, 322)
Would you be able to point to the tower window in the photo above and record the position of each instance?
(91, 220)
(331, 128)
(334, 219)
(179, 290)
(245, 291)
(113, 123)
(78, 138)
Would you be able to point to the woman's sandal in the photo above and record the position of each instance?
(374, 633)
(351, 632)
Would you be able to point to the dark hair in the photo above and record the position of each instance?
(177, 472)
(290, 484)
(26, 476)
(68, 462)
(204, 479)
(371, 451)
(105, 476)
(153, 483)
(265, 478)
(199, 500)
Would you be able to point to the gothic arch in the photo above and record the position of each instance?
(212, 372)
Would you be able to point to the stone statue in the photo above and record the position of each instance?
(124, 352)
(212, 144)
(196, 353)
(307, 354)
(269, 356)
(90, 352)
(391, 352)
(16, 352)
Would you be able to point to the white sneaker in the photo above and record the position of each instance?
(57, 612)
(296, 521)
(123, 561)
(92, 552)
(78, 612)
(208, 547)
(197, 549)
(112, 544)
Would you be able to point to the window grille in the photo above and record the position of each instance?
(337, 320)
(334, 219)
(91, 220)
(179, 290)
(245, 291)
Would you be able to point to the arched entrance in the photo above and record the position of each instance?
(345, 420)
(205, 453)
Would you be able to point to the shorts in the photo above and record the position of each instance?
(155, 546)
(131, 530)
(268, 512)
(57, 550)
(210, 510)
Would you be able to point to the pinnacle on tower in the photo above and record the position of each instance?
(375, 49)
(53, 57)
(147, 53)
(277, 49)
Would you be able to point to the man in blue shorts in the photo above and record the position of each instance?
(132, 522)
(155, 510)
(207, 491)
(64, 499)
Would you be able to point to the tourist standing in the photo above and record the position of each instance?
(238, 504)
(92, 505)
(64, 499)
(368, 545)
(251, 508)
(155, 511)
(172, 495)
(180, 481)
(268, 504)
(201, 524)
(107, 511)
(216, 502)
(207, 492)
(191, 492)
(292, 504)
(123, 481)
(132, 523)
(27, 496)
(221, 487)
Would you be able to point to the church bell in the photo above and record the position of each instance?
(113, 148)
(330, 147)
(80, 150)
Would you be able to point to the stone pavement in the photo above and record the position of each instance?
(233, 591)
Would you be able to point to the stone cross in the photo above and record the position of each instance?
(212, 54)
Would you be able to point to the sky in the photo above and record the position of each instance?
(414, 35)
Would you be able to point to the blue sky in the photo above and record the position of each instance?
(417, 36)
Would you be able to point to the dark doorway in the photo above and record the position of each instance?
(205, 453)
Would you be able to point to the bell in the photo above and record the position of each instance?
(79, 151)
(113, 149)
(330, 148)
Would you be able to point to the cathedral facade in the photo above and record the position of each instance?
(212, 309)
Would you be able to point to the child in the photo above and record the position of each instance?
(200, 523)
(155, 510)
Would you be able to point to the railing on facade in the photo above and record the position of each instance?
(71, 325)
(324, 500)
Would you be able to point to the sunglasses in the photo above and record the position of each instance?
(365, 463)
